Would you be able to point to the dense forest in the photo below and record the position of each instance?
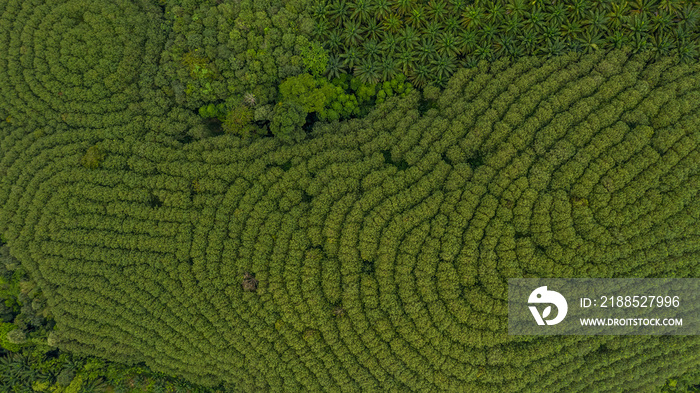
(330, 195)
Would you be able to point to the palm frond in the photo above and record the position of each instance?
(437, 10)
(433, 30)
(406, 60)
(473, 15)
(427, 49)
(388, 42)
(402, 7)
(373, 30)
(381, 9)
(335, 41)
(448, 44)
(321, 30)
(516, 8)
(367, 71)
(338, 10)
(392, 23)
(360, 10)
(351, 57)
(371, 49)
(408, 36)
(420, 76)
(334, 67)
(443, 66)
(388, 68)
(417, 17)
(353, 33)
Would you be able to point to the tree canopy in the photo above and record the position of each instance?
(374, 255)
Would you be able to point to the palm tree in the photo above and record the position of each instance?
(642, 6)
(388, 68)
(516, 50)
(320, 10)
(535, 21)
(597, 19)
(489, 31)
(512, 24)
(334, 67)
(381, 9)
(427, 49)
(335, 41)
(529, 42)
(443, 66)
(456, 6)
(494, 11)
(321, 30)
(94, 386)
(447, 44)
(417, 17)
(371, 49)
(516, 8)
(373, 29)
(619, 10)
(484, 52)
(360, 10)
(338, 11)
(571, 30)
(591, 41)
(662, 45)
(670, 6)
(578, 9)
(437, 10)
(367, 71)
(406, 60)
(388, 42)
(452, 23)
(392, 23)
(556, 13)
(433, 30)
(351, 57)
(687, 51)
(504, 43)
(470, 61)
(551, 32)
(403, 7)
(555, 47)
(420, 76)
(408, 37)
(467, 41)
(473, 15)
(352, 35)
(661, 23)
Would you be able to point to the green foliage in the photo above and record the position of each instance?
(93, 157)
(342, 98)
(247, 46)
(90, 64)
(687, 383)
(315, 58)
(17, 336)
(372, 239)
(238, 121)
(40, 386)
(198, 66)
(312, 94)
(213, 110)
(287, 121)
(65, 378)
(449, 34)
(5, 342)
